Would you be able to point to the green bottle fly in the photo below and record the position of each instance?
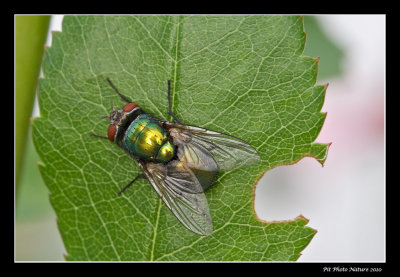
(180, 161)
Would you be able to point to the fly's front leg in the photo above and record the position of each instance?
(124, 98)
(169, 104)
(98, 136)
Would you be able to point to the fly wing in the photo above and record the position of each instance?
(180, 190)
(201, 163)
(228, 152)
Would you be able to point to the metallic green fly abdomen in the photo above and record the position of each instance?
(146, 139)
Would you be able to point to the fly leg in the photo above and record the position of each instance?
(169, 104)
(98, 136)
(116, 90)
(128, 185)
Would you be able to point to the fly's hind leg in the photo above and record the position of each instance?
(169, 104)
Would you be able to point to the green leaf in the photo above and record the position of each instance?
(241, 75)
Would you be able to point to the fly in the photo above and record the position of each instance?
(180, 161)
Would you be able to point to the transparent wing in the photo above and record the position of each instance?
(180, 190)
(201, 163)
(197, 143)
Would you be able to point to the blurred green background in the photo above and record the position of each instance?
(36, 233)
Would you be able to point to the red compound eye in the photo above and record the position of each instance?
(129, 107)
(111, 132)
